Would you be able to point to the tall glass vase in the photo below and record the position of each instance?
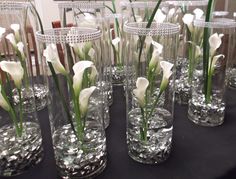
(150, 90)
(20, 141)
(76, 104)
(92, 15)
(183, 13)
(207, 102)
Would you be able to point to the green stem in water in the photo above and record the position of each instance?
(21, 110)
(206, 49)
(143, 128)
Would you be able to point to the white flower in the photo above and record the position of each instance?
(3, 102)
(79, 69)
(16, 28)
(12, 39)
(148, 41)
(81, 49)
(214, 60)
(139, 92)
(2, 31)
(20, 47)
(198, 13)
(166, 68)
(115, 42)
(87, 21)
(84, 99)
(154, 62)
(171, 13)
(51, 55)
(159, 16)
(91, 53)
(15, 70)
(188, 20)
(215, 42)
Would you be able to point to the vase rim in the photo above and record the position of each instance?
(160, 29)
(188, 3)
(141, 4)
(10, 6)
(82, 5)
(69, 35)
(216, 23)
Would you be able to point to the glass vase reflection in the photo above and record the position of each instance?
(150, 90)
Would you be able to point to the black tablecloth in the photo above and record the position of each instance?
(197, 153)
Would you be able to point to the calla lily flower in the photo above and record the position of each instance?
(12, 39)
(3, 102)
(215, 42)
(20, 47)
(15, 70)
(139, 92)
(2, 31)
(115, 42)
(214, 60)
(171, 13)
(16, 28)
(51, 55)
(148, 41)
(91, 53)
(79, 69)
(88, 21)
(198, 13)
(154, 62)
(166, 68)
(159, 16)
(188, 20)
(84, 99)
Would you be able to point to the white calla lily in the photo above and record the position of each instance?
(12, 39)
(3, 102)
(79, 69)
(88, 21)
(215, 42)
(159, 17)
(155, 60)
(115, 42)
(214, 60)
(171, 13)
(166, 68)
(15, 70)
(16, 28)
(188, 20)
(148, 41)
(157, 47)
(84, 99)
(139, 92)
(20, 47)
(198, 13)
(2, 31)
(91, 53)
(51, 55)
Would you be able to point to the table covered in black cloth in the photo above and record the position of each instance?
(197, 152)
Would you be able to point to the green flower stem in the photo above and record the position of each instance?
(191, 63)
(155, 103)
(143, 128)
(209, 88)
(75, 99)
(21, 110)
(142, 39)
(206, 48)
(11, 113)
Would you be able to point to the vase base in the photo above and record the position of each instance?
(18, 154)
(206, 114)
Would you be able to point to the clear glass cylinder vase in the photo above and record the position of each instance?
(150, 90)
(207, 102)
(76, 104)
(21, 140)
(92, 14)
(183, 13)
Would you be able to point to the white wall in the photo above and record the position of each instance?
(48, 11)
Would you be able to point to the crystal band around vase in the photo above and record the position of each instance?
(76, 108)
(150, 90)
(207, 103)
